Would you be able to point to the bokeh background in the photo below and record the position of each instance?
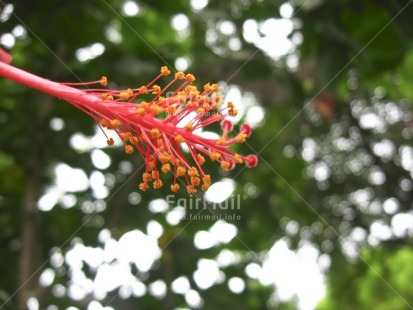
(324, 221)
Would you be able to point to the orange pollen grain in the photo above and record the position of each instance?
(155, 133)
(179, 139)
(129, 149)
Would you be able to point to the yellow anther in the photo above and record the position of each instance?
(214, 155)
(155, 109)
(180, 171)
(146, 177)
(201, 159)
(155, 133)
(155, 174)
(206, 182)
(151, 164)
(211, 88)
(124, 95)
(104, 81)
(125, 135)
(232, 112)
(141, 111)
(129, 149)
(206, 179)
(171, 110)
(157, 184)
(156, 89)
(175, 187)
(217, 98)
(166, 168)
(221, 141)
(191, 189)
(143, 90)
(238, 159)
(164, 157)
(159, 143)
(202, 99)
(165, 71)
(189, 127)
(225, 165)
(110, 141)
(104, 96)
(195, 181)
(133, 140)
(190, 78)
(241, 137)
(143, 186)
(179, 139)
(180, 75)
(193, 172)
(104, 123)
(115, 123)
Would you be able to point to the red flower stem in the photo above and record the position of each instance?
(58, 90)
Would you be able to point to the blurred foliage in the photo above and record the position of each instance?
(324, 169)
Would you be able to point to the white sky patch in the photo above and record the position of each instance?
(226, 258)
(373, 121)
(140, 249)
(130, 8)
(181, 285)
(57, 124)
(19, 32)
(97, 184)
(80, 143)
(95, 305)
(112, 266)
(253, 270)
(204, 240)
(193, 299)
(255, 116)
(223, 232)
(402, 225)
(380, 231)
(7, 40)
(182, 63)
(289, 271)
(154, 229)
(180, 22)
(219, 233)
(47, 277)
(6, 12)
(236, 285)
(271, 35)
(198, 5)
(220, 191)
(100, 159)
(68, 201)
(90, 52)
(208, 274)
(157, 289)
(70, 179)
(175, 216)
(286, 10)
(49, 199)
(158, 206)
